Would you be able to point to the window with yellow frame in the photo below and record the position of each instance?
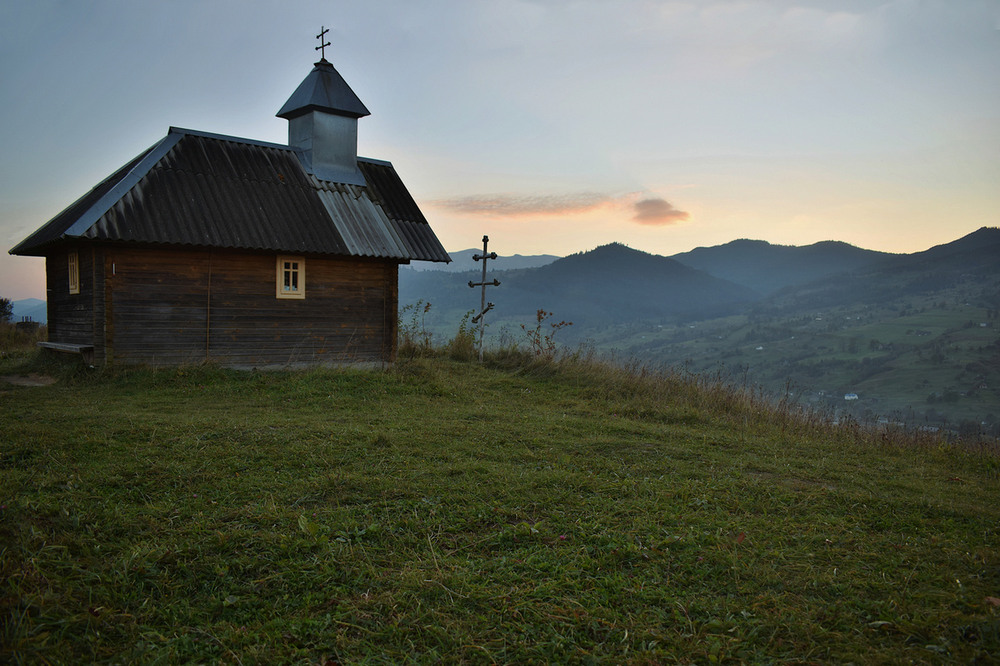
(73, 264)
(291, 277)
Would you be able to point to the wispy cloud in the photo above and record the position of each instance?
(521, 205)
(653, 211)
(658, 212)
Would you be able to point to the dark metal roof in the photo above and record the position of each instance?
(324, 89)
(54, 229)
(206, 190)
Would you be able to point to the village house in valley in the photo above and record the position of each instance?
(211, 248)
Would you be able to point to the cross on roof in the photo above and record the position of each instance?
(322, 45)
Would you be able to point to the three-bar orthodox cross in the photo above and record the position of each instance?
(322, 45)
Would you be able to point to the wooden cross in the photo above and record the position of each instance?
(322, 45)
(484, 305)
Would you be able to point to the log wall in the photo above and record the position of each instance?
(172, 307)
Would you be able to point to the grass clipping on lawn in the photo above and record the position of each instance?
(445, 511)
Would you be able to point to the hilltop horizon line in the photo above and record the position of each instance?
(758, 241)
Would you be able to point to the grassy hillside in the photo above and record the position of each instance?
(444, 511)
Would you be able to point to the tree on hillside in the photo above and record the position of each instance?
(6, 310)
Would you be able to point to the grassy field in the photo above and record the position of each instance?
(515, 512)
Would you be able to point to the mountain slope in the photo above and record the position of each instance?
(614, 283)
(972, 259)
(978, 250)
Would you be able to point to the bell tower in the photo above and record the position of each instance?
(322, 117)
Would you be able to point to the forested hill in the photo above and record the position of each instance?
(615, 283)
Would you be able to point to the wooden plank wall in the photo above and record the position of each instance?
(157, 306)
(176, 307)
(97, 273)
(70, 316)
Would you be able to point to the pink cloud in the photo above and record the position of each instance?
(658, 212)
(652, 211)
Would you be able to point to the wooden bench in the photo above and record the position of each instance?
(86, 351)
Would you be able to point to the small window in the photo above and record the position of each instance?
(74, 272)
(291, 280)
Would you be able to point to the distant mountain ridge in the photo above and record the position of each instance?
(30, 308)
(767, 268)
(980, 249)
(462, 261)
(913, 337)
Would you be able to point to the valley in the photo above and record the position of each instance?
(934, 367)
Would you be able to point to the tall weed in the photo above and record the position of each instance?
(463, 347)
(414, 338)
(541, 338)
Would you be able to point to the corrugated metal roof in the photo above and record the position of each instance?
(365, 228)
(199, 189)
(54, 229)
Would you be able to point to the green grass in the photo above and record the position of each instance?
(515, 512)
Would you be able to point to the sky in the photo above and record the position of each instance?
(551, 126)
